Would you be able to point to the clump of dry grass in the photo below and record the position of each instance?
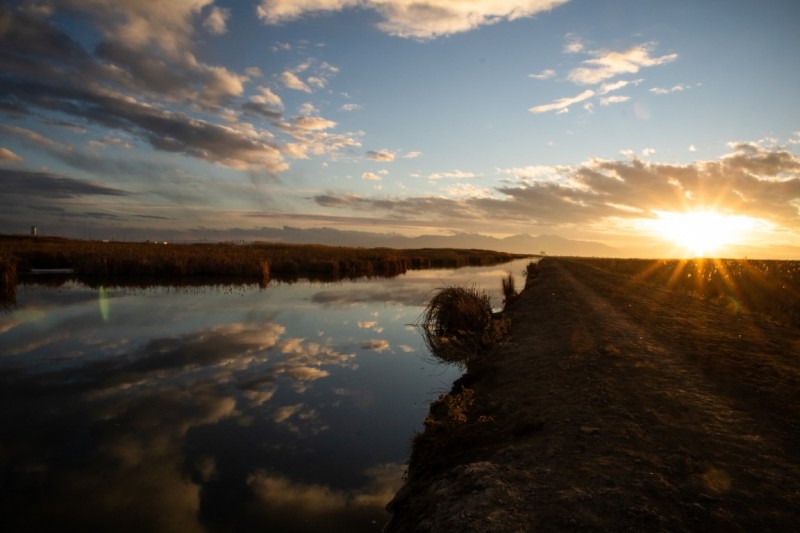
(458, 324)
(509, 286)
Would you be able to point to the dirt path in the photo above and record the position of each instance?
(617, 406)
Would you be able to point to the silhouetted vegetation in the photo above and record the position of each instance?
(509, 286)
(129, 262)
(458, 324)
(770, 287)
(8, 280)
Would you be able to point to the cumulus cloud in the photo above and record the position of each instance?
(752, 180)
(381, 155)
(312, 123)
(144, 93)
(412, 155)
(563, 104)
(216, 21)
(608, 64)
(370, 176)
(417, 19)
(142, 23)
(350, 107)
(291, 81)
(266, 96)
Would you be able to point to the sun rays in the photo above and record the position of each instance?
(701, 233)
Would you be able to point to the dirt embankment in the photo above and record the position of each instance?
(617, 406)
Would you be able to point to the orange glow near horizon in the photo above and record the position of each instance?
(702, 232)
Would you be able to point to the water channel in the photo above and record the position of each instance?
(220, 408)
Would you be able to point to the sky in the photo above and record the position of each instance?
(212, 119)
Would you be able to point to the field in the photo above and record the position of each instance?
(740, 285)
(619, 404)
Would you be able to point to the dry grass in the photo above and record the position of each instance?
(458, 324)
(250, 262)
(770, 287)
(509, 287)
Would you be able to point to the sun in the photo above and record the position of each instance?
(702, 232)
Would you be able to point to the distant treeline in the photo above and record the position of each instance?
(254, 262)
(771, 287)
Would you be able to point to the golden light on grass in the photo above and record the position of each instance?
(702, 232)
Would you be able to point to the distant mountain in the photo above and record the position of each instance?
(518, 244)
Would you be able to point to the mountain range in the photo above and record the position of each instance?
(518, 244)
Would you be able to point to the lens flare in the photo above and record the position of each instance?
(702, 232)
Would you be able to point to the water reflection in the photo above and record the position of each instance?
(289, 408)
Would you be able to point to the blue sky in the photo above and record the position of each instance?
(211, 119)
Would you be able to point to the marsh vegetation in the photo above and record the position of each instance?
(135, 263)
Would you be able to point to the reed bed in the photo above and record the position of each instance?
(770, 287)
(246, 262)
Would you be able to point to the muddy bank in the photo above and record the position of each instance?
(614, 405)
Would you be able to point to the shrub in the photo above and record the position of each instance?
(458, 323)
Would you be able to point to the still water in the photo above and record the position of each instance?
(289, 408)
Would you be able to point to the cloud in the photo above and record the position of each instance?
(216, 20)
(312, 123)
(350, 107)
(456, 174)
(142, 23)
(412, 155)
(417, 19)
(306, 373)
(608, 64)
(608, 100)
(378, 345)
(291, 81)
(562, 104)
(543, 75)
(47, 185)
(266, 96)
(573, 45)
(370, 176)
(674, 89)
(752, 180)
(613, 86)
(76, 88)
(8, 155)
(381, 155)
(280, 500)
(149, 96)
